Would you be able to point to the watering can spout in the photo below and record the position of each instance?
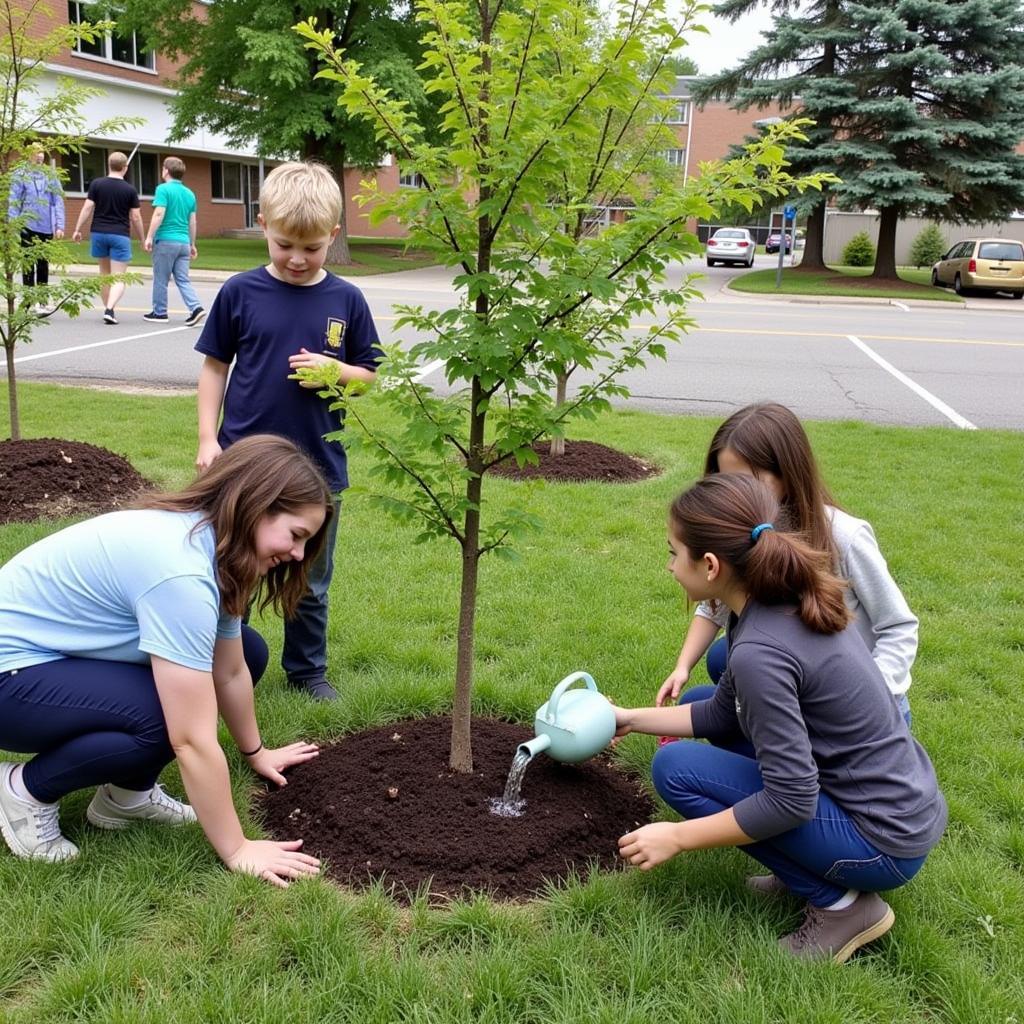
(535, 746)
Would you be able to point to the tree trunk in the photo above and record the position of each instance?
(339, 251)
(313, 149)
(813, 257)
(885, 256)
(461, 755)
(12, 395)
(561, 385)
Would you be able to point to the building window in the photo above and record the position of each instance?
(226, 180)
(413, 180)
(675, 157)
(144, 173)
(83, 167)
(118, 47)
(680, 113)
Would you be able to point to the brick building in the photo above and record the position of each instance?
(225, 177)
(139, 83)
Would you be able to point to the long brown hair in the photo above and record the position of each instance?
(719, 513)
(771, 438)
(261, 475)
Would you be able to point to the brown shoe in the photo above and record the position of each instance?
(768, 885)
(837, 934)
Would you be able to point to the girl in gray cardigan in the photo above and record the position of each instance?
(769, 442)
(838, 800)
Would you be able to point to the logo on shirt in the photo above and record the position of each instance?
(335, 332)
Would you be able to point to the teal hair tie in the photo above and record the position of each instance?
(759, 529)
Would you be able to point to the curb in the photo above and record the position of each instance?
(844, 300)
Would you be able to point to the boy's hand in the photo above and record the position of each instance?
(328, 370)
(208, 451)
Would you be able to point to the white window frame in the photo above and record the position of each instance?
(680, 112)
(675, 157)
(106, 43)
(411, 180)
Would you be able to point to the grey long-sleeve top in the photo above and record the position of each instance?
(881, 614)
(813, 707)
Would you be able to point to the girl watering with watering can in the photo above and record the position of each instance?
(838, 800)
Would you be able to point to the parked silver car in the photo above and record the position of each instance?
(731, 245)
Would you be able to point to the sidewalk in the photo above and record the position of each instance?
(145, 270)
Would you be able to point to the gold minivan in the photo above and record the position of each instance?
(989, 264)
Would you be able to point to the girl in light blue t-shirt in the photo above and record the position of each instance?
(121, 642)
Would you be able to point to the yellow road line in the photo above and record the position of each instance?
(826, 334)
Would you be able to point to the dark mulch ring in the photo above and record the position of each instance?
(582, 461)
(49, 478)
(383, 804)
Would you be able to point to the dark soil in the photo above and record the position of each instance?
(582, 461)
(383, 804)
(47, 478)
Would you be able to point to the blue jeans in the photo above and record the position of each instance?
(305, 636)
(818, 860)
(172, 258)
(90, 721)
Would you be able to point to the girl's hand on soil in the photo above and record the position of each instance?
(672, 687)
(306, 360)
(208, 451)
(651, 845)
(271, 762)
(277, 863)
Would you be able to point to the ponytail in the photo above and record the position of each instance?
(737, 518)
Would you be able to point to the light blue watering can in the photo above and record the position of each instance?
(572, 726)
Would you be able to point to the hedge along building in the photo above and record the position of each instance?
(140, 83)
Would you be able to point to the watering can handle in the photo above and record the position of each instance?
(564, 685)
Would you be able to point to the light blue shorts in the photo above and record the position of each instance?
(115, 247)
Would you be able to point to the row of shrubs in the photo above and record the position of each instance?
(928, 247)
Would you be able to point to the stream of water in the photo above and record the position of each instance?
(511, 804)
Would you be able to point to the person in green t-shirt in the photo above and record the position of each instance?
(172, 241)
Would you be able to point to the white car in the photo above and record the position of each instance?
(731, 245)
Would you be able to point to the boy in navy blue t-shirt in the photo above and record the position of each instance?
(269, 322)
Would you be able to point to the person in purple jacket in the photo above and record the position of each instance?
(36, 196)
(838, 801)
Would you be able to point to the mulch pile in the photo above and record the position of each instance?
(383, 804)
(48, 478)
(582, 461)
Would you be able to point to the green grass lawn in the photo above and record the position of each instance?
(369, 255)
(147, 927)
(843, 281)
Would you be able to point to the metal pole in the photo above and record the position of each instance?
(782, 251)
(131, 156)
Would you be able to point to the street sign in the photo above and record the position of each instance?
(789, 212)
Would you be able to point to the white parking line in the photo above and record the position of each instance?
(936, 403)
(426, 371)
(98, 344)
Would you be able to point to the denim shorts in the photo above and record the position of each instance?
(116, 247)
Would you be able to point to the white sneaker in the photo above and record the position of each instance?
(31, 830)
(158, 806)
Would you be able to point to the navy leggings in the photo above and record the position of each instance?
(89, 721)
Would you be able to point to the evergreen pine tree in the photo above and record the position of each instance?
(938, 117)
(799, 65)
(919, 106)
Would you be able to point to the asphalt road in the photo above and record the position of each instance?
(933, 364)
